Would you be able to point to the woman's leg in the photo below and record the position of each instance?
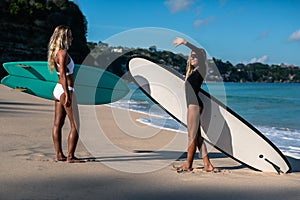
(202, 148)
(59, 119)
(195, 139)
(193, 118)
(73, 135)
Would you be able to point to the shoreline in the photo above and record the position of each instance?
(28, 170)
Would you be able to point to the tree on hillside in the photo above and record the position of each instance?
(34, 20)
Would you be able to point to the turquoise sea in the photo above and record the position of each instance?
(273, 108)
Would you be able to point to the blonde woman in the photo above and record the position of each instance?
(196, 72)
(59, 59)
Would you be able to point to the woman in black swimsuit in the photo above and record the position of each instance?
(196, 72)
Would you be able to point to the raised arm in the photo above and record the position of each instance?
(179, 41)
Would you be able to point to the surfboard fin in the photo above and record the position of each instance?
(275, 166)
(19, 89)
(278, 170)
(24, 66)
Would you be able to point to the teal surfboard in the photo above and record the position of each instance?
(92, 85)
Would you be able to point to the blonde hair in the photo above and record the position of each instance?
(58, 40)
(201, 55)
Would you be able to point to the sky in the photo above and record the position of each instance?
(238, 31)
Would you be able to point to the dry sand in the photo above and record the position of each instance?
(129, 163)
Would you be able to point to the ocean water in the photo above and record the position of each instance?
(273, 108)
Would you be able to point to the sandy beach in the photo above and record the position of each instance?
(128, 161)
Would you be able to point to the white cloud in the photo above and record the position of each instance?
(178, 5)
(259, 60)
(200, 22)
(295, 36)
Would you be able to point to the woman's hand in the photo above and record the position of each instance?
(178, 41)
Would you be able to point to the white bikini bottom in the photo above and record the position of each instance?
(59, 90)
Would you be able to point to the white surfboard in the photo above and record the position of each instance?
(221, 127)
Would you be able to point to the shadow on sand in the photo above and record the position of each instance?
(145, 155)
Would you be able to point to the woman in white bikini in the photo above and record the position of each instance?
(59, 59)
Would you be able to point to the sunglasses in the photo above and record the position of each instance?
(193, 56)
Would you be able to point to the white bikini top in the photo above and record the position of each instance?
(70, 67)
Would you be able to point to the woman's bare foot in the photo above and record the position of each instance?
(183, 168)
(208, 168)
(74, 160)
(60, 157)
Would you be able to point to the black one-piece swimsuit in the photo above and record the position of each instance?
(192, 88)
